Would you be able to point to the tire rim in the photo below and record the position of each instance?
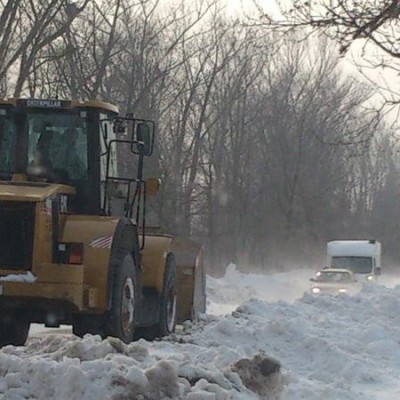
(171, 310)
(127, 306)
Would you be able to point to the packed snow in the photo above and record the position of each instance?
(329, 347)
(28, 277)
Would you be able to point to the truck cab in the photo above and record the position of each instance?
(362, 257)
(71, 143)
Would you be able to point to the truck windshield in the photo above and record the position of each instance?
(329, 276)
(58, 141)
(359, 265)
(8, 135)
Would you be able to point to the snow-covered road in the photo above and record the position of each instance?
(331, 348)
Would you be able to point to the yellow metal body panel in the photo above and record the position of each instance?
(73, 293)
(83, 285)
(32, 191)
(11, 102)
(43, 237)
(154, 257)
(60, 273)
(95, 104)
(88, 229)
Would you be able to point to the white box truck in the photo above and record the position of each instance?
(362, 257)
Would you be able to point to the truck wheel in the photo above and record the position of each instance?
(14, 331)
(168, 314)
(121, 321)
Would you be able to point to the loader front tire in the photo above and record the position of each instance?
(79, 329)
(84, 324)
(14, 331)
(167, 322)
(121, 320)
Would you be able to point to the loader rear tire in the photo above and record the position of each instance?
(121, 319)
(14, 331)
(167, 322)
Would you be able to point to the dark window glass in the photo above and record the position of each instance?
(59, 142)
(358, 265)
(8, 135)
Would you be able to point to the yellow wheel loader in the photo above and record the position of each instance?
(74, 245)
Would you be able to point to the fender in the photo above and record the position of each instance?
(125, 240)
(154, 257)
(105, 239)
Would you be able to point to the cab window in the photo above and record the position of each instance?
(58, 141)
(8, 135)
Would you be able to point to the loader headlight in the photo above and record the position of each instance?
(370, 278)
(315, 289)
(342, 290)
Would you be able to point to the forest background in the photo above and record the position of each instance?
(268, 144)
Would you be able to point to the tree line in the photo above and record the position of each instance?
(267, 148)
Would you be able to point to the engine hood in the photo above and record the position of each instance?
(31, 191)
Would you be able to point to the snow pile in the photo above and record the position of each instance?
(225, 294)
(28, 277)
(61, 367)
(334, 348)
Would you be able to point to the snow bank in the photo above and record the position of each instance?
(331, 348)
(28, 277)
(61, 367)
(234, 288)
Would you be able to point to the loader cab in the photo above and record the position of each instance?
(76, 144)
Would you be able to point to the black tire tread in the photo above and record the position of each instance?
(114, 323)
(170, 278)
(14, 332)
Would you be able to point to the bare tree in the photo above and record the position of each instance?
(27, 28)
(370, 28)
(302, 115)
(229, 144)
(375, 21)
(264, 146)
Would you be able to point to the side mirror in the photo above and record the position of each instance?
(378, 271)
(312, 280)
(143, 138)
(152, 186)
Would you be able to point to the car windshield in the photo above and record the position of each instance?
(358, 265)
(333, 276)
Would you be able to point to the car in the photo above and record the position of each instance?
(334, 281)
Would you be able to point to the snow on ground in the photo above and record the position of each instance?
(224, 295)
(331, 348)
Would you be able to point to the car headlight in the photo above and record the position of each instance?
(370, 278)
(342, 290)
(316, 289)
